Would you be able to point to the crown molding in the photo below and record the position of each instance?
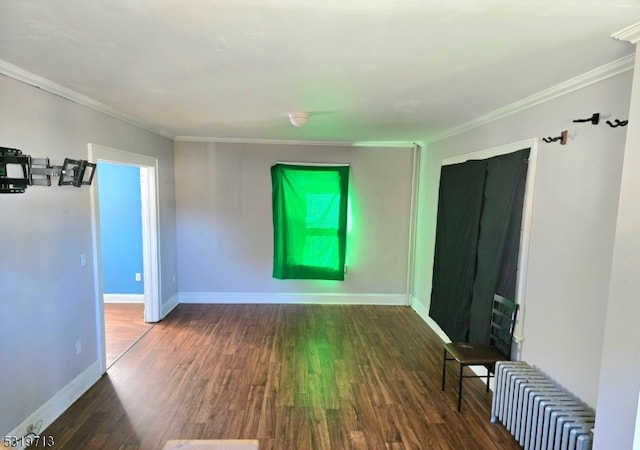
(372, 144)
(593, 76)
(629, 34)
(261, 141)
(389, 144)
(24, 76)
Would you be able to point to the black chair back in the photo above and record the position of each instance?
(503, 320)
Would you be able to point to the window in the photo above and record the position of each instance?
(309, 221)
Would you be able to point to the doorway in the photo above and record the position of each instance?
(120, 200)
(525, 228)
(149, 276)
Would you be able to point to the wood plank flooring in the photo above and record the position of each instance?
(295, 377)
(124, 325)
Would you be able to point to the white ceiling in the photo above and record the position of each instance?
(366, 70)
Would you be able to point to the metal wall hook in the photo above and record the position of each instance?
(618, 123)
(562, 138)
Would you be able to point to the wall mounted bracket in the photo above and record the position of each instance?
(19, 171)
(562, 138)
(594, 119)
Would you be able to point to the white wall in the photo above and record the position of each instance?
(47, 301)
(620, 370)
(572, 230)
(225, 231)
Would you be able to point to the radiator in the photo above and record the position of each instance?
(538, 412)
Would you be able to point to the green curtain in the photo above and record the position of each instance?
(309, 221)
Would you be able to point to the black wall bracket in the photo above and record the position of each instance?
(594, 119)
(19, 171)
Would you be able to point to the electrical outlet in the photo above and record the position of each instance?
(78, 346)
(83, 260)
(138, 277)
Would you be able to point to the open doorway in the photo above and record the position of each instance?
(120, 200)
(131, 313)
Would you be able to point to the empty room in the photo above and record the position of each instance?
(341, 225)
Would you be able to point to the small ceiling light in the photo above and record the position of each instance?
(298, 119)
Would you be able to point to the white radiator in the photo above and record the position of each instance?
(538, 412)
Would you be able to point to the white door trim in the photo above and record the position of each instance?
(413, 219)
(150, 236)
(148, 190)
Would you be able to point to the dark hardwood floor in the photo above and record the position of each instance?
(124, 325)
(296, 377)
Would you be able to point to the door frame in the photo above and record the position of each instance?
(150, 237)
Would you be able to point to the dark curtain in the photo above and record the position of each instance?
(459, 207)
(498, 239)
(477, 242)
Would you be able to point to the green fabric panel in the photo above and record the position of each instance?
(309, 221)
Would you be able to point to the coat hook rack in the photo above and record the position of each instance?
(562, 138)
(594, 119)
(618, 123)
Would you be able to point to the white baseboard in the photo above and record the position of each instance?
(123, 298)
(423, 312)
(59, 403)
(292, 298)
(168, 306)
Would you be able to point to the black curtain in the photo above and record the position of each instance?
(477, 242)
(459, 207)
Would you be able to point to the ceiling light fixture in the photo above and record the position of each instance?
(298, 119)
